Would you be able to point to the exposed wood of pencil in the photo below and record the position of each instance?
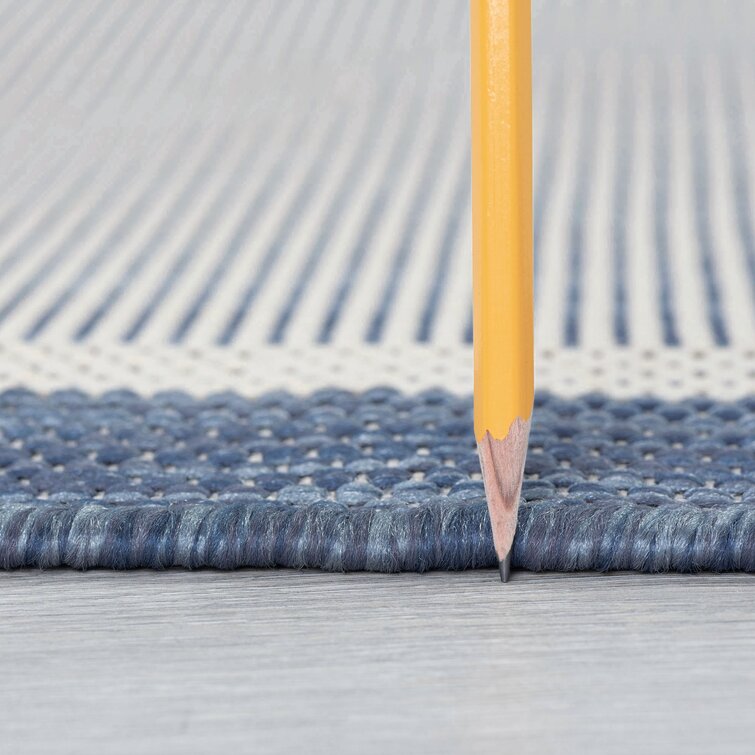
(502, 462)
(501, 90)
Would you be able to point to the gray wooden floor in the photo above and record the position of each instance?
(275, 661)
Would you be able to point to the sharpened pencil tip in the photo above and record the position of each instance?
(502, 465)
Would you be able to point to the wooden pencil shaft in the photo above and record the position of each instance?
(501, 75)
(502, 462)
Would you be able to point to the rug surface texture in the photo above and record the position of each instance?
(224, 224)
(379, 481)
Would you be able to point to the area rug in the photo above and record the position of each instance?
(224, 225)
(376, 481)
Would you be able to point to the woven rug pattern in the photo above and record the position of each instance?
(206, 179)
(251, 200)
(378, 481)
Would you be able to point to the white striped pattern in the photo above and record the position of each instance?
(228, 174)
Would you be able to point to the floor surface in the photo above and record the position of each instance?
(262, 661)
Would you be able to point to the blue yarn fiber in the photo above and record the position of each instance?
(378, 481)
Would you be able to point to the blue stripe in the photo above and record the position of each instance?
(363, 20)
(580, 203)
(11, 9)
(298, 29)
(457, 209)
(149, 68)
(256, 207)
(283, 165)
(121, 231)
(121, 65)
(351, 178)
(64, 248)
(661, 161)
(331, 30)
(392, 169)
(269, 34)
(395, 22)
(86, 68)
(133, 75)
(424, 189)
(624, 150)
(311, 181)
(547, 161)
(158, 237)
(702, 205)
(17, 35)
(81, 32)
(194, 245)
(183, 69)
(37, 51)
(469, 329)
(239, 30)
(739, 156)
(37, 233)
(38, 190)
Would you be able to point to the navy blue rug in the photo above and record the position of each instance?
(377, 481)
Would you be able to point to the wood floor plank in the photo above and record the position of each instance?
(270, 661)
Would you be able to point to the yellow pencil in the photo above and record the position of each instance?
(501, 52)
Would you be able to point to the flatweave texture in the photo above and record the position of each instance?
(374, 481)
(229, 197)
(262, 175)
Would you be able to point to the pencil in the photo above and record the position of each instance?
(501, 78)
